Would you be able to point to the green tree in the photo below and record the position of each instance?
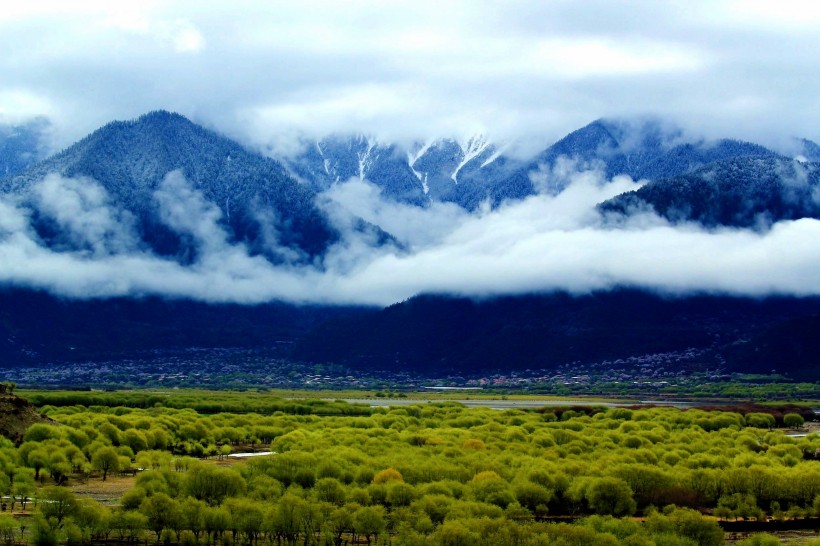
(760, 420)
(247, 516)
(40, 433)
(93, 519)
(213, 484)
(36, 456)
(216, 520)
(110, 432)
(610, 496)
(400, 494)
(23, 487)
(134, 439)
(455, 533)
(105, 459)
(192, 515)
(43, 531)
(285, 519)
(793, 420)
(369, 521)
(686, 523)
(740, 505)
(341, 522)
(161, 511)
(128, 524)
(8, 528)
(435, 506)
(330, 490)
(533, 497)
(58, 467)
(489, 487)
(56, 503)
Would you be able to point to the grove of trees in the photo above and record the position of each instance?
(434, 473)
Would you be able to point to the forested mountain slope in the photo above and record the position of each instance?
(740, 192)
(259, 203)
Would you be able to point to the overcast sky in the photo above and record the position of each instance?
(263, 71)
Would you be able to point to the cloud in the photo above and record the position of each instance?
(188, 213)
(554, 177)
(179, 34)
(19, 105)
(520, 69)
(544, 243)
(79, 208)
(415, 227)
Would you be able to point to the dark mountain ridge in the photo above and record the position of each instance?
(442, 335)
(37, 328)
(432, 336)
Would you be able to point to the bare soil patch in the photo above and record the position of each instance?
(107, 492)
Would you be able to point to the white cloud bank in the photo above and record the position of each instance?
(540, 244)
(261, 70)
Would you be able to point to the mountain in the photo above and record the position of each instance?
(258, 202)
(176, 184)
(807, 150)
(427, 335)
(467, 172)
(17, 415)
(791, 345)
(441, 335)
(476, 171)
(738, 192)
(38, 328)
(642, 149)
(441, 170)
(336, 159)
(21, 145)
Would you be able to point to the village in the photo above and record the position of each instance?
(240, 369)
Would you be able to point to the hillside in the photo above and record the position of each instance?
(442, 335)
(740, 192)
(38, 328)
(259, 204)
(473, 171)
(17, 415)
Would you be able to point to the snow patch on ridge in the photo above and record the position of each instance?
(365, 159)
(411, 161)
(325, 161)
(495, 155)
(472, 149)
